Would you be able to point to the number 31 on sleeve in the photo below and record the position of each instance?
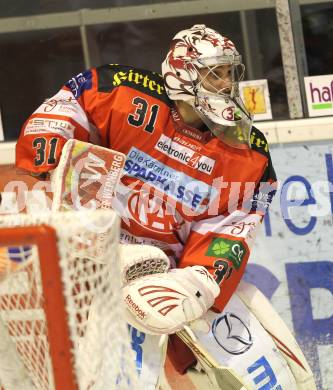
(45, 150)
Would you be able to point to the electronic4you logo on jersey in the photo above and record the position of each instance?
(319, 95)
(185, 155)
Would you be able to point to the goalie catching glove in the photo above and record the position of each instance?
(164, 303)
(137, 260)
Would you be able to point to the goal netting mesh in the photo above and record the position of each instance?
(36, 312)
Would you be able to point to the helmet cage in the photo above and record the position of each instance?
(234, 128)
(237, 70)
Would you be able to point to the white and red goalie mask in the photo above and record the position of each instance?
(203, 68)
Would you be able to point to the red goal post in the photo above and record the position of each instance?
(61, 323)
(45, 239)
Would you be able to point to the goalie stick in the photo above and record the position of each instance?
(224, 377)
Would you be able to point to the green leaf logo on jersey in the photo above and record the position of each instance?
(220, 248)
(234, 251)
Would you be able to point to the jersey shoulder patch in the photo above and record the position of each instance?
(112, 76)
(259, 142)
(79, 83)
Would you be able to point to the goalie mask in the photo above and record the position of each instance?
(203, 68)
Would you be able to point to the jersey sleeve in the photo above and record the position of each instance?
(68, 114)
(223, 243)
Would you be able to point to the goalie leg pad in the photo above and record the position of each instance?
(238, 341)
(262, 309)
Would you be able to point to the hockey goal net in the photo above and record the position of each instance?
(61, 324)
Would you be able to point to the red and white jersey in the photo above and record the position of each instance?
(183, 190)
